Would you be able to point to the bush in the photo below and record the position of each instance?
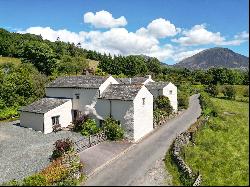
(55, 172)
(246, 92)
(89, 128)
(79, 123)
(159, 115)
(112, 129)
(61, 147)
(183, 100)
(212, 90)
(35, 180)
(229, 92)
(163, 103)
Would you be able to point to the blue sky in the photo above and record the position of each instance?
(167, 29)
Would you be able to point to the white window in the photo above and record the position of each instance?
(77, 96)
(55, 120)
(170, 92)
(143, 101)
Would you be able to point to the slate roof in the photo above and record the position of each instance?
(156, 85)
(121, 92)
(43, 105)
(82, 81)
(135, 80)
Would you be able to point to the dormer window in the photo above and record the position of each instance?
(170, 92)
(77, 96)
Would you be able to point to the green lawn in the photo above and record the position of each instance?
(221, 153)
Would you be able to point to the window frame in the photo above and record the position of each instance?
(77, 96)
(55, 120)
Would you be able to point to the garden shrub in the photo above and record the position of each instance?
(159, 115)
(163, 103)
(61, 147)
(55, 172)
(90, 127)
(79, 123)
(35, 180)
(112, 129)
(229, 91)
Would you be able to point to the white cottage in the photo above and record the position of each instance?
(167, 89)
(131, 105)
(46, 112)
(128, 100)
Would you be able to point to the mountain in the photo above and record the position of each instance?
(215, 57)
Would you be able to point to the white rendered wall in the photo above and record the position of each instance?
(64, 111)
(143, 114)
(119, 110)
(172, 97)
(87, 97)
(32, 120)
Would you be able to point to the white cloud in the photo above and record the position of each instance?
(52, 35)
(242, 36)
(104, 19)
(199, 35)
(159, 28)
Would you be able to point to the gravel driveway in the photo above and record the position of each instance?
(24, 151)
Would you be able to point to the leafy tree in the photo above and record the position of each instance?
(41, 55)
(229, 91)
(89, 128)
(212, 90)
(163, 103)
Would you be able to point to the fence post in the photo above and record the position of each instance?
(89, 141)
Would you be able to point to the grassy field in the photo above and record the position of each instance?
(221, 151)
(9, 59)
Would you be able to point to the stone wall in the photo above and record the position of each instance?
(90, 141)
(181, 140)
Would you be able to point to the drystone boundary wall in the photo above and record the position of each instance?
(90, 141)
(181, 140)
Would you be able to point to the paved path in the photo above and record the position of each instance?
(132, 166)
(96, 156)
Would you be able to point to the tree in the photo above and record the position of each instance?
(229, 91)
(40, 55)
(163, 103)
(212, 90)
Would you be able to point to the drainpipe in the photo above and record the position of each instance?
(110, 108)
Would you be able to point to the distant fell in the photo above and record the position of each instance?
(215, 57)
